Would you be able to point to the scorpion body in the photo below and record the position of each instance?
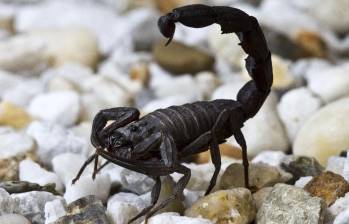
(156, 144)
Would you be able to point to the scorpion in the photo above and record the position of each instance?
(157, 143)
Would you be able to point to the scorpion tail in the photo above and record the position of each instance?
(232, 20)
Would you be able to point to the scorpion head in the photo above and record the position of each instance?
(167, 25)
(127, 141)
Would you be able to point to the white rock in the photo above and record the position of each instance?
(7, 203)
(60, 107)
(22, 93)
(32, 204)
(67, 165)
(136, 182)
(181, 85)
(23, 54)
(340, 205)
(174, 218)
(326, 133)
(102, 21)
(32, 172)
(166, 102)
(123, 80)
(207, 82)
(330, 84)
(114, 171)
(272, 158)
(201, 175)
(191, 197)
(108, 91)
(264, 131)
(68, 45)
(60, 84)
(12, 144)
(301, 182)
(342, 218)
(54, 210)
(53, 140)
(124, 206)
(225, 46)
(295, 108)
(228, 90)
(336, 164)
(8, 81)
(345, 173)
(13, 219)
(87, 186)
(329, 13)
(76, 74)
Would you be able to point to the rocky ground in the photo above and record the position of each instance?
(62, 61)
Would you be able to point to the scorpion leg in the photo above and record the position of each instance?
(178, 191)
(241, 141)
(214, 147)
(88, 161)
(121, 117)
(155, 193)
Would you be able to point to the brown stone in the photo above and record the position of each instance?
(260, 175)
(311, 43)
(329, 186)
(166, 6)
(179, 58)
(234, 206)
(140, 72)
(9, 168)
(227, 150)
(14, 116)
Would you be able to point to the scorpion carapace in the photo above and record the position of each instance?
(156, 144)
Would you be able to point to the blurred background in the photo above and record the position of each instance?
(62, 61)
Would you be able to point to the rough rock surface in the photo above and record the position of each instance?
(32, 204)
(226, 206)
(288, 204)
(85, 210)
(329, 186)
(174, 218)
(260, 176)
(302, 166)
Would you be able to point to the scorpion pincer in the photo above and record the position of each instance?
(156, 144)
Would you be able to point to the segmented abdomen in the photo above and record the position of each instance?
(187, 122)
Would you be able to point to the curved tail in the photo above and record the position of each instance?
(258, 63)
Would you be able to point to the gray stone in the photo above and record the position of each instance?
(288, 204)
(124, 206)
(54, 210)
(53, 140)
(16, 187)
(136, 182)
(13, 219)
(85, 210)
(302, 166)
(260, 196)
(7, 204)
(32, 204)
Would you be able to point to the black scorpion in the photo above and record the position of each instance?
(156, 144)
